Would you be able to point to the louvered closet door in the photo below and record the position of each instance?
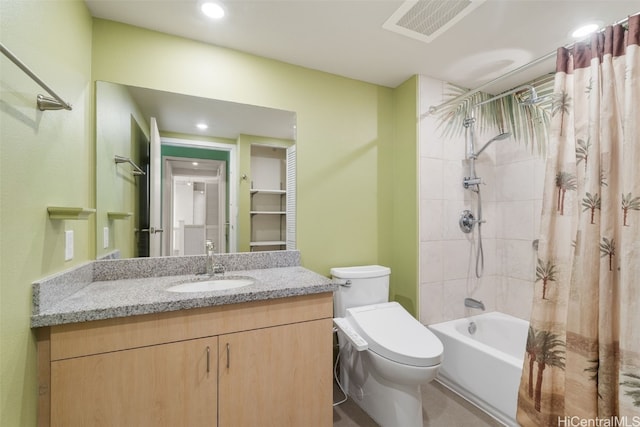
(291, 198)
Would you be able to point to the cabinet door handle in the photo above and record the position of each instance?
(208, 359)
(228, 352)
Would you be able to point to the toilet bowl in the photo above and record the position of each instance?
(402, 354)
(385, 353)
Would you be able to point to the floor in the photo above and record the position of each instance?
(441, 408)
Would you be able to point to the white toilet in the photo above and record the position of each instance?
(397, 354)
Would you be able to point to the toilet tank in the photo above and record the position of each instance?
(361, 285)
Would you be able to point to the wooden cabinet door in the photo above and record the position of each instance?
(162, 385)
(278, 377)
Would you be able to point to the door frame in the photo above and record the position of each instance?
(232, 149)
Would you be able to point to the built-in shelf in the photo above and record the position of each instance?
(268, 243)
(269, 197)
(119, 215)
(259, 191)
(267, 212)
(65, 212)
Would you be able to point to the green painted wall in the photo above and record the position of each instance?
(46, 159)
(118, 121)
(405, 158)
(196, 153)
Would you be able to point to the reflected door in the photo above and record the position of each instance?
(155, 199)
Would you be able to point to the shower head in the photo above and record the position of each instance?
(503, 135)
(534, 98)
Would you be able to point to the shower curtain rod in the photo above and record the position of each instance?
(434, 109)
(44, 102)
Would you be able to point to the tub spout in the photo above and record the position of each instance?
(473, 303)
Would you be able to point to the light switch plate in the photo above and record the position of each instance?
(68, 245)
(105, 237)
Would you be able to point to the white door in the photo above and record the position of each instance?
(155, 196)
(222, 209)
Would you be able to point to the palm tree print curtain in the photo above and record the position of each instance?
(583, 351)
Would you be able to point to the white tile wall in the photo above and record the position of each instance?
(511, 197)
(431, 262)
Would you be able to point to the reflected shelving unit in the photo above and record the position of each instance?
(268, 219)
(268, 198)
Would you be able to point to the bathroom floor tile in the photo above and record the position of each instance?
(441, 408)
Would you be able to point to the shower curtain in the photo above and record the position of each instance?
(582, 360)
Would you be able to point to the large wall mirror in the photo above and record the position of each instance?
(176, 172)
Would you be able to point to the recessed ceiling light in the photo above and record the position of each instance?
(584, 30)
(194, 163)
(212, 10)
(202, 126)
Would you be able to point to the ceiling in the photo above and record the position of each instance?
(347, 38)
(180, 113)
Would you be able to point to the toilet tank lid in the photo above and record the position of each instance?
(360, 272)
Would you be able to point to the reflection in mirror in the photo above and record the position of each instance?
(196, 205)
(146, 215)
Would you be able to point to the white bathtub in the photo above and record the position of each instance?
(484, 367)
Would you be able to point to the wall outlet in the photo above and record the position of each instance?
(105, 237)
(68, 245)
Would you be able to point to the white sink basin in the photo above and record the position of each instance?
(210, 285)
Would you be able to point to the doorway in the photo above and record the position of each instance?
(198, 197)
(197, 200)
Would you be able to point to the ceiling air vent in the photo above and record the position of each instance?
(427, 19)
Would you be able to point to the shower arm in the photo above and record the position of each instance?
(531, 89)
(470, 119)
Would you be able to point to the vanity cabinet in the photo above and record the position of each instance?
(172, 381)
(267, 377)
(266, 363)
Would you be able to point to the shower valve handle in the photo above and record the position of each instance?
(467, 221)
(468, 181)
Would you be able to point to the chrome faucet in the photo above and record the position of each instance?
(473, 303)
(213, 267)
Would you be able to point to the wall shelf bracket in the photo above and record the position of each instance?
(64, 212)
(118, 215)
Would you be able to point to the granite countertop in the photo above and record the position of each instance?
(129, 296)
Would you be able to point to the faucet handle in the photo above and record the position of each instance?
(219, 269)
(210, 246)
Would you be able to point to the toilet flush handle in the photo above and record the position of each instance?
(346, 284)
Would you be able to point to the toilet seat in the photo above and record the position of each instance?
(393, 333)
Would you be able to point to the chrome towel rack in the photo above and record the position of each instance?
(137, 170)
(44, 102)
